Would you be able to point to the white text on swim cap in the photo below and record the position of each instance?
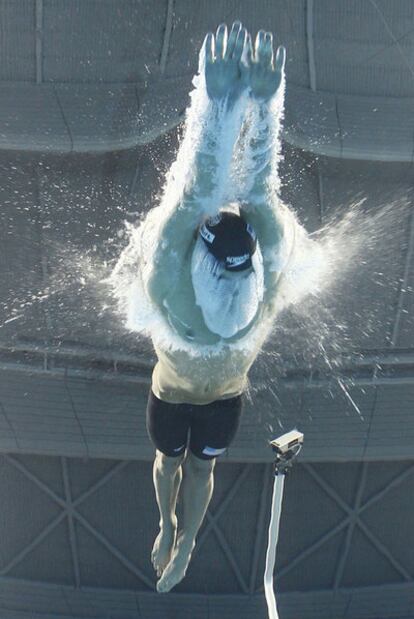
(206, 234)
(235, 261)
(213, 221)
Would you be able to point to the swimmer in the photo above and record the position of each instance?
(214, 277)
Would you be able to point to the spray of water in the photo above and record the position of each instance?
(318, 269)
(316, 336)
(206, 125)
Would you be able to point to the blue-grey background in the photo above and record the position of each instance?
(92, 95)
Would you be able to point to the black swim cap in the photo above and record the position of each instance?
(230, 239)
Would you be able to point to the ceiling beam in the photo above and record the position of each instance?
(39, 41)
(310, 44)
(212, 518)
(167, 36)
(382, 368)
(387, 600)
(72, 533)
(354, 520)
(33, 544)
(351, 528)
(382, 549)
(393, 483)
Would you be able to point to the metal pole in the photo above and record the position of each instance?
(286, 448)
(272, 543)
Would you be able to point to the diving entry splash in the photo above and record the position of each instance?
(205, 274)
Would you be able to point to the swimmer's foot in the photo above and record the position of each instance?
(177, 567)
(163, 546)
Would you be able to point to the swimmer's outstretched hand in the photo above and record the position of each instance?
(225, 73)
(265, 70)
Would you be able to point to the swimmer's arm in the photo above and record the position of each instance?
(260, 202)
(197, 178)
(261, 205)
(185, 207)
(262, 152)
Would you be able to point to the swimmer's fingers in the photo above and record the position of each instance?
(231, 43)
(223, 71)
(264, 48)
(248, 50)
(240, 44)
(221, 41)
(266, 71)
(280, 60)
(208, 47)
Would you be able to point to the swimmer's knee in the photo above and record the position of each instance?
(168, 464)
(200, 466)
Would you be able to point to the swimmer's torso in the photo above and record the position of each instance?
(185, 316)
(181, 376)
(182, 312)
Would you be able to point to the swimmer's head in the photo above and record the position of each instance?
(227, 273)
(230, 239)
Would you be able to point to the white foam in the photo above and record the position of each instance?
(136, 261)
(308, 265)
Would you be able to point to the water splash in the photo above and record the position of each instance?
(322, 274)
(323, 333)
(318, 268)
(206, 125)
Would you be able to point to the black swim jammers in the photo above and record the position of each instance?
(206, 429)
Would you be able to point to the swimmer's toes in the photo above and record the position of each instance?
(175, 570)
(162, 550)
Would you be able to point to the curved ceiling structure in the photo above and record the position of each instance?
(124, 80)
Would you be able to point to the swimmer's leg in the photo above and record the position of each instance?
(196, 492)
(167, 476)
